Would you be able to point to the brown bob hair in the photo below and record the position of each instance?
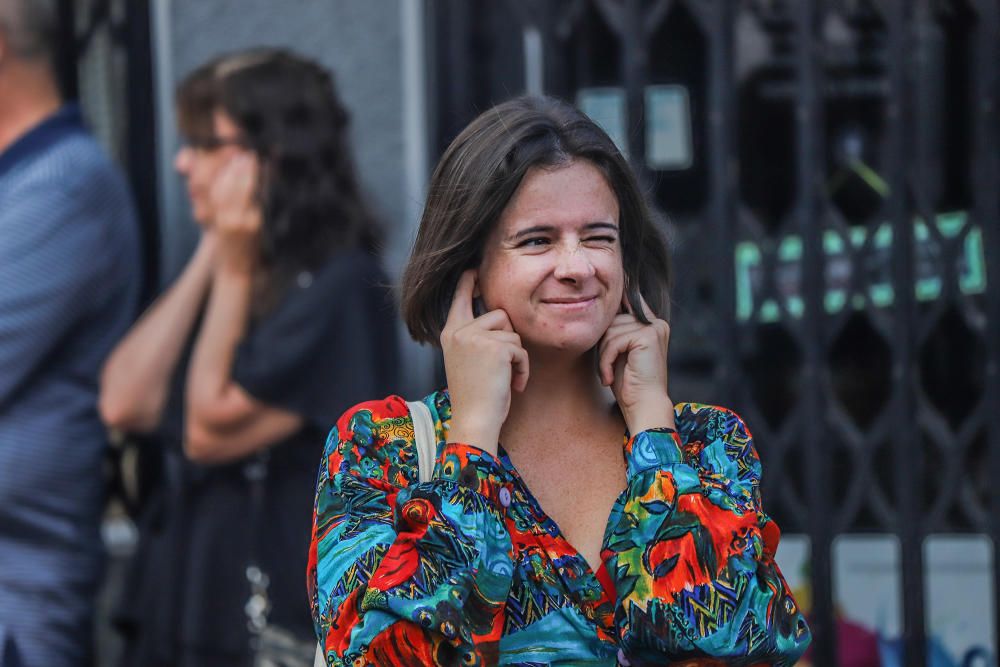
(476, 178)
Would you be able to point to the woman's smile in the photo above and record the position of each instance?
(571, 303)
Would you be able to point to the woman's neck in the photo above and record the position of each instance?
(565, 395)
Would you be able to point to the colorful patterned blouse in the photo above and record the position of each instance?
(468, 570)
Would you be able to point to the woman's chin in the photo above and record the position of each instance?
(574, 346)
(201, 214)
(561, 338)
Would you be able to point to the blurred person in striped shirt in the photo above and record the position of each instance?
(69, 286)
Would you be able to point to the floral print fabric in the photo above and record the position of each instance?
(468, 570)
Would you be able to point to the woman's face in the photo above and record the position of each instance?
(554, 260)
(201, 164)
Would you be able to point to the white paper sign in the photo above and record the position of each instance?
(668, 128)
(606, 107)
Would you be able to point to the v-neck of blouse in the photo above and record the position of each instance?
(546, 525)
(594, 593)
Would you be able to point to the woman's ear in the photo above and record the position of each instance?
(478, 307)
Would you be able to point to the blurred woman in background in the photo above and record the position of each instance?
(277, 323)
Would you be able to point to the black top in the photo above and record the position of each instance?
(328, 344)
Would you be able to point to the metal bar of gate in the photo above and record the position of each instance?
(986, 212)
(140, 145)
(906, 441)
(66, 55)
(634, 77)
(809, 159)
(721, 111)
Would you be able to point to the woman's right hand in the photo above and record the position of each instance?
(237, 216)
(484, 361)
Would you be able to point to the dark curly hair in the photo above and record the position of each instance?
(288, 112)
(478, 175)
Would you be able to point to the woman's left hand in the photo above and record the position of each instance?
(237, 215)
(633, 362)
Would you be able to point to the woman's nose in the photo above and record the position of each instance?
(573, 263)
(182, 161)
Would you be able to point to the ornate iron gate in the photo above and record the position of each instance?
(829, 171)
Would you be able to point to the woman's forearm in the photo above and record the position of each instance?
(222, 421)
(136, 377)
(222, 329)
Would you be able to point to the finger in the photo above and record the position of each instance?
(641, 336)
(611, 348)
(664, 330)
(504, 336)
(232, 183)
(628, 323)
(475, 333)
(235, 169)
(646, 310)
(519, 368)
(626, 307)
(495, 320)
(460, 311)
(217, 189)
(245, 177)
(239, 168)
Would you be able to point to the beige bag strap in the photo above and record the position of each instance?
(424, 437)
(319, 661)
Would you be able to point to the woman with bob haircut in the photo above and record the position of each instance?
(237, 371)
(574, 515)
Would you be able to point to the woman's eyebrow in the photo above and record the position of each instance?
(601, 225)
(531, 230)
(535, 229)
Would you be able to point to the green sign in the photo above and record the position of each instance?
(877, 267)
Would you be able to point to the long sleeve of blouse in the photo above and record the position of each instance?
(690, 551)
(437, 573)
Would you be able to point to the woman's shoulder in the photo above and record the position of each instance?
(365, 414)
(336, 283)
(350, 265)
(714, 428)
(375, 439)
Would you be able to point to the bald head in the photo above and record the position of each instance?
(28, 29)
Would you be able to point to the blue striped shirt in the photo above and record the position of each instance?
(69, 285)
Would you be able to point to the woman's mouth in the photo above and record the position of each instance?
(570, 302)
